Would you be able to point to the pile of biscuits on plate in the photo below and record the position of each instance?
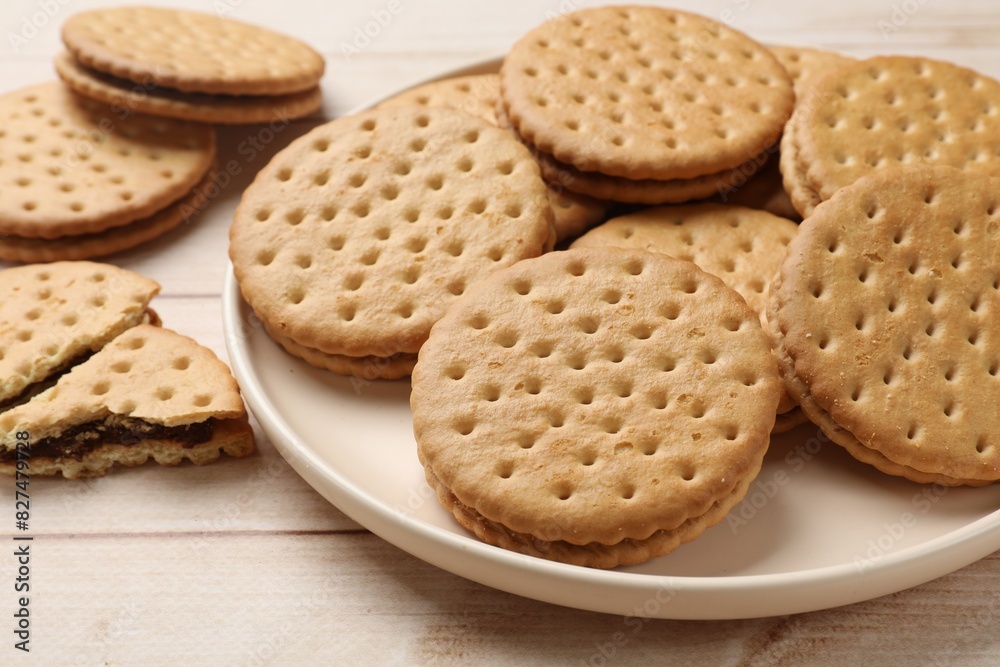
(118, 153)
(590, 265)
(590, 262)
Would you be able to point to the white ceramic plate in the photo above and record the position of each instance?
(817, 529)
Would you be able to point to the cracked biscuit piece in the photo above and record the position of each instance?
(149, 393)
(55, 315)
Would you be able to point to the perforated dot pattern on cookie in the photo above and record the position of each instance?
(807, 66)
(116, 239)
(644, 93)
(594, 378)
(52, 314)
(356, 238)
(147, 373)
(891, 111)
(191, 51)
(889, 307)
(744, 247)
(73, 166)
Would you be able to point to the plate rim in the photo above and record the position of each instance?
(688, 597)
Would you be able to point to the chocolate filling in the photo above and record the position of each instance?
(80, 440)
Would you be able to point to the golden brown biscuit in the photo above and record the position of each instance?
(885, 314)
(149, 392)
(644, 93)
(193, 52)
(354, 240)
(596, 395)
(78, 167)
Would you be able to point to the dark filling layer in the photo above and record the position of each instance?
(78, 441)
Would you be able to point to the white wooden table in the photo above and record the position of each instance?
(241, 563)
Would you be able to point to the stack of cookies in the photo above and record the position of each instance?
(189, 65)
(88, 374)
(121, 153)
(598, 406)
(641, 104)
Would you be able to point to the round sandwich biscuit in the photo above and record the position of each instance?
(886, 315)
(192, 52)
(596, 406)
(355, 239)
(201, 107)
(74, 166)
(893, 110)
(644, 93)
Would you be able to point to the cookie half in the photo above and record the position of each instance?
(149, 392)
(55, 316)
(886, 313)
(594, 406)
